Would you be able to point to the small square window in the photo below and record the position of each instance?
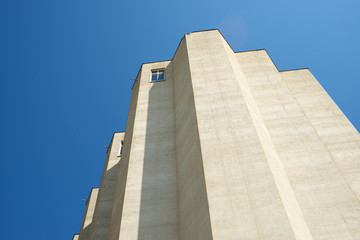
(157, 75)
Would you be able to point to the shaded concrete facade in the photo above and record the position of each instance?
(228, 147)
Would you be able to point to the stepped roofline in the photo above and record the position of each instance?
(243, 51)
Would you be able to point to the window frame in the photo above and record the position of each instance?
(156, 71)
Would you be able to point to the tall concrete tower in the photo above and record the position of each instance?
(221, 145)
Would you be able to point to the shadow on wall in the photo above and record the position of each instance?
(84, 233)
(158, 209)
(101, 219)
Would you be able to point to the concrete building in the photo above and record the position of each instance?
(221, 145)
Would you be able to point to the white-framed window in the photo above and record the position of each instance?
(157, 75)
(120, 148)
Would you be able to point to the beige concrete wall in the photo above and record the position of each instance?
(333, 128)
(99, 228)
(291, 205)
(194, 220)
(325, 199)
(76, 237)
(331, 202)
(88, 215)
(150, 202)
(244, 202)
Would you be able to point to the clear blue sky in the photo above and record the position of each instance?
(64, 83)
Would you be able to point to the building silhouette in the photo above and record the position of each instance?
(221, 145)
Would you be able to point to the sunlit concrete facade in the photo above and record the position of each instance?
(227, 147)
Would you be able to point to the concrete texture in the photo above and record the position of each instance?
(228, 147)
(194, 219)
(150, 203)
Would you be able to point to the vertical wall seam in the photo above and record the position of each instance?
(198, 134)
(297, 221)
(175, 148)
(175, 154)
(254, 217)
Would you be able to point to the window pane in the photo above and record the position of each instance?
(161, 75)
(154, 76)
